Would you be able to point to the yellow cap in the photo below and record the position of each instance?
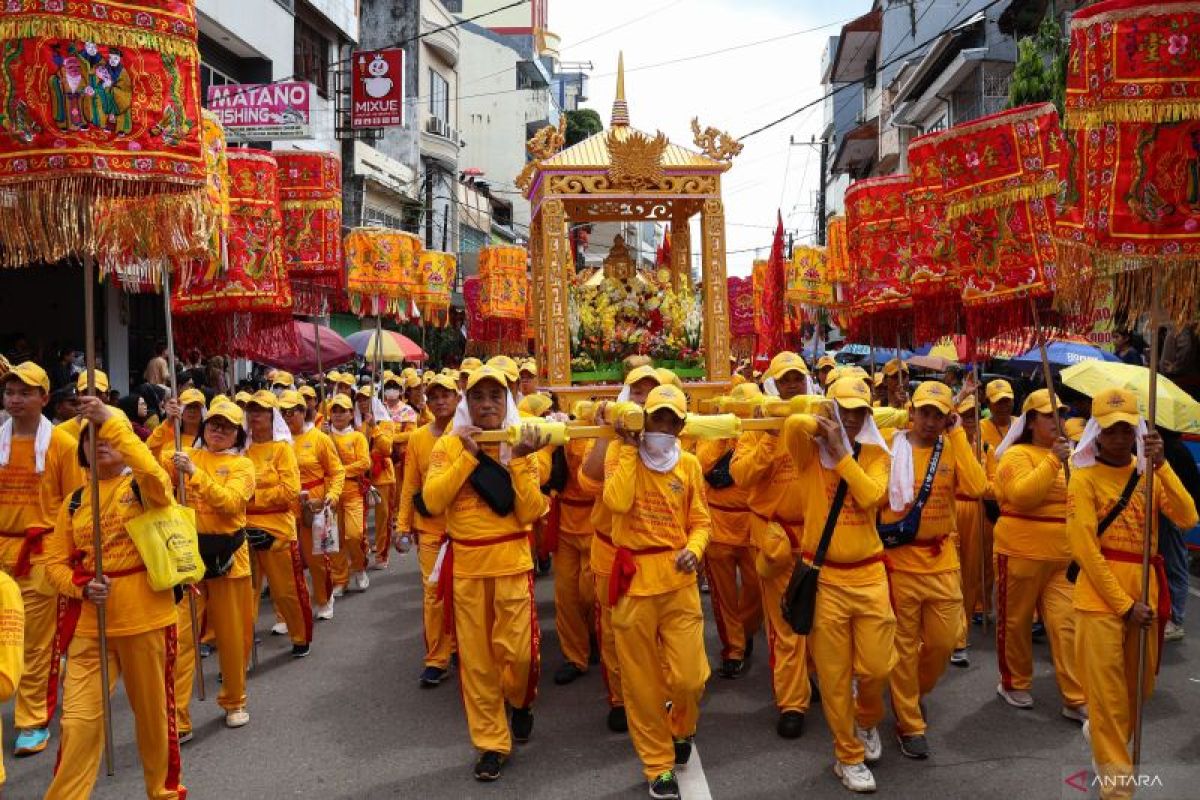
(340, 401)
(391, 377)
(220, 398)
(936, 394)
(410, 379)
(444, 381)
(1039, 401)
(291, 399)
(189, 396)
(850, 392)
(535, 405)
(81, 383)
(485, 374)
(826, 361)
(263, 399)
(666, 376)
(878, 379)
(469, 364)
(786, 362)
(507, 366)
(998, 390)
(966, 404)
(1111, 406)
(853, 372)
(736, 380)
(1073, 427)
(641, 373)
(530, 366)
(341, 378)
(745, 391)
(894, 366)
(308, 391)
(241, 398)
(363, 391)
(281, 378)
(227, 411)
(667, 396)
(31, 374)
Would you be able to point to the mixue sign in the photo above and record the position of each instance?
(377, 94)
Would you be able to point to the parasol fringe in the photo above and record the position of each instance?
(54, 26)
(1090, 270)
(994, 317)
(1104, 113)
(1133, 294)
(314, 205)
(935, 314)
(1003, 197)
(239, 334)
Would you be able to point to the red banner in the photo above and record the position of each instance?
(880, 251)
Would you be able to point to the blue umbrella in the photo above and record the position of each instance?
(882, 354)
(1062, 354)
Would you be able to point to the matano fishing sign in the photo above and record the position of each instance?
(252, 112)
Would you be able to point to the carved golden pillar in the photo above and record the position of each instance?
(537, 285)
(681, 249)
(556, 257)
(716, 299)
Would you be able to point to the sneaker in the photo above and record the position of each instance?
(703, 583)
(487, 768)
(185, 737)
(665, 787)
(325, 611)
(683, 750)
(31, 741)
(522, 724)
(279, 629)
(206, 650)
(1039, 631)
(960, 657)
(1087, 731)
(977, 618)
(567, 673)
(790, 724)
(1173, 632)
(731, 668)
(872, 744)
(855, 777)
(543, 566)
(913, 746)
(301, 650)
(237, 718)
(432, 676)
(1015, 697)
(339, 591)
(1076, 713)
(617, 721)
(403, 544)
(379, 566)
(359, 582)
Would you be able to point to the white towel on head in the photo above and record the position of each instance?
(1015, 431)
(901, 491)
(869, 434)
(280, 432)
(771, 389)
(462, 419)
(1086, 450)
(41, 443)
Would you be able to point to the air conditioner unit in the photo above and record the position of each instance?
(437, 127)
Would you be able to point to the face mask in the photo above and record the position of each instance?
(391, 394)
(659, 451)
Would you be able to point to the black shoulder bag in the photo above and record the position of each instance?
(719, 476)
(1109, 518)
(903, 531)
(559, 472)
(494, 484)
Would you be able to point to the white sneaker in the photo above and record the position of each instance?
(325, 611)
(359, 582)
(379, 566)
(237, 718)
(1015, 697)
(1087, 732)
(279, 629)
(339, 591)
(1076, 713)
(1172, 632)
(855, 777)
(871, 743)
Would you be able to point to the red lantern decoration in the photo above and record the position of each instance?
(310, 198)
(932, 269)
(880, 251)
(380, 267)
(504, 282)
(432, 294)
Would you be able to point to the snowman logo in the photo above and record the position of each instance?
(376, 82)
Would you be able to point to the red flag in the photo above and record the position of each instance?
(772, 311)
(664, 251)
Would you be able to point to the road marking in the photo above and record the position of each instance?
(692, 783)
(1193, 591)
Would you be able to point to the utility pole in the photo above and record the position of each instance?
(824, 145)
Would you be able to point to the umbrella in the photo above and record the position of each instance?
(1176, 409)
(936, 363)
(882, 354)
(1062, 354)
(303, 358)
(396, 347)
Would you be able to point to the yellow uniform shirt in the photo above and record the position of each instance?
(321, 472)
(1106, 585)
(354, 452)
(133, 607)
(417, 456)
(658, 510)
(602, 554)
(12, 642)
(1031, 487)
(29, 499)
(382, 472)
(728, 507)
(992, 434)
(469, 519)
(855, 538)
(575, 516)
(219, 491)
(958, 474)
(276, 489)
(776, 490)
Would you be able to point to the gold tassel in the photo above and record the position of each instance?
(1005, 197)
(314, 205)
(91, 30)
(1143, 111)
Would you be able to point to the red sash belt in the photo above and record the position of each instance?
(551, 528)
(30, 546)
(1163, 611)
(445, 587)
(624, 568)
(794, 530)
(728, 509)
(313, 484)
(934, 545)
(378, 462)
(604, 537)
(964, 499)
(81, 577)
(865, 562)
(1031, 518)
(575, 503)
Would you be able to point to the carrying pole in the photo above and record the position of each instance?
(984, 595)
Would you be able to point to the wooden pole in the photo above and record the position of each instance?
(181, 487)
(1147, 529)
(1046, 375)
(980, 529)
(89, 315)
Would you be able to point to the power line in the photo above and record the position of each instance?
(625, 24)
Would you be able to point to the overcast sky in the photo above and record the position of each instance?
(736, 91)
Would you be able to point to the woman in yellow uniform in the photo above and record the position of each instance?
(355, 454)
(660, 530)
(776, 497)
(38, 468)
(373, 421)
(219, 482)
(732, 578)
(12, 645)
(1032, 555)
(413, 517)
(853, 627)
(1000, 407)
(140, 621)
(271, 521)
(486, 573)
(1107, 599)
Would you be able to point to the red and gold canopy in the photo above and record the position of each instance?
(310, 199)
(880, 250)
(432, 294)
(504, 282)
(381, 268)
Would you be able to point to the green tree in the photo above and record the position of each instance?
(581, 124)
(1040, 74)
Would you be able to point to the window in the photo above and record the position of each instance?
(210, 76)
(312, 56)
(439, 97)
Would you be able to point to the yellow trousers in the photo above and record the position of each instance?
(227, 612)
(320, 567)
(928, 611)
(289, 595)
(496, 630)
(439, 642)
(653, 633)
(574, 596)
(610, 665)
(37, 692)
(789, 656)
(853, 634)
(352, 546)
(146, 662)
(383, 521)
(1106, 650)
(1025, 585)
(737, 602)
(978, 575)
(185, 660)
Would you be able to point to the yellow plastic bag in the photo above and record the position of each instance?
(165, 538)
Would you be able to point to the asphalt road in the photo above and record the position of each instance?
(351, 722)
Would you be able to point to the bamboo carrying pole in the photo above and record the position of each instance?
(1046, 374)
(181, 488)
(980, 529)
(89, 315)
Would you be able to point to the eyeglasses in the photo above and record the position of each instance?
(221, 426)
